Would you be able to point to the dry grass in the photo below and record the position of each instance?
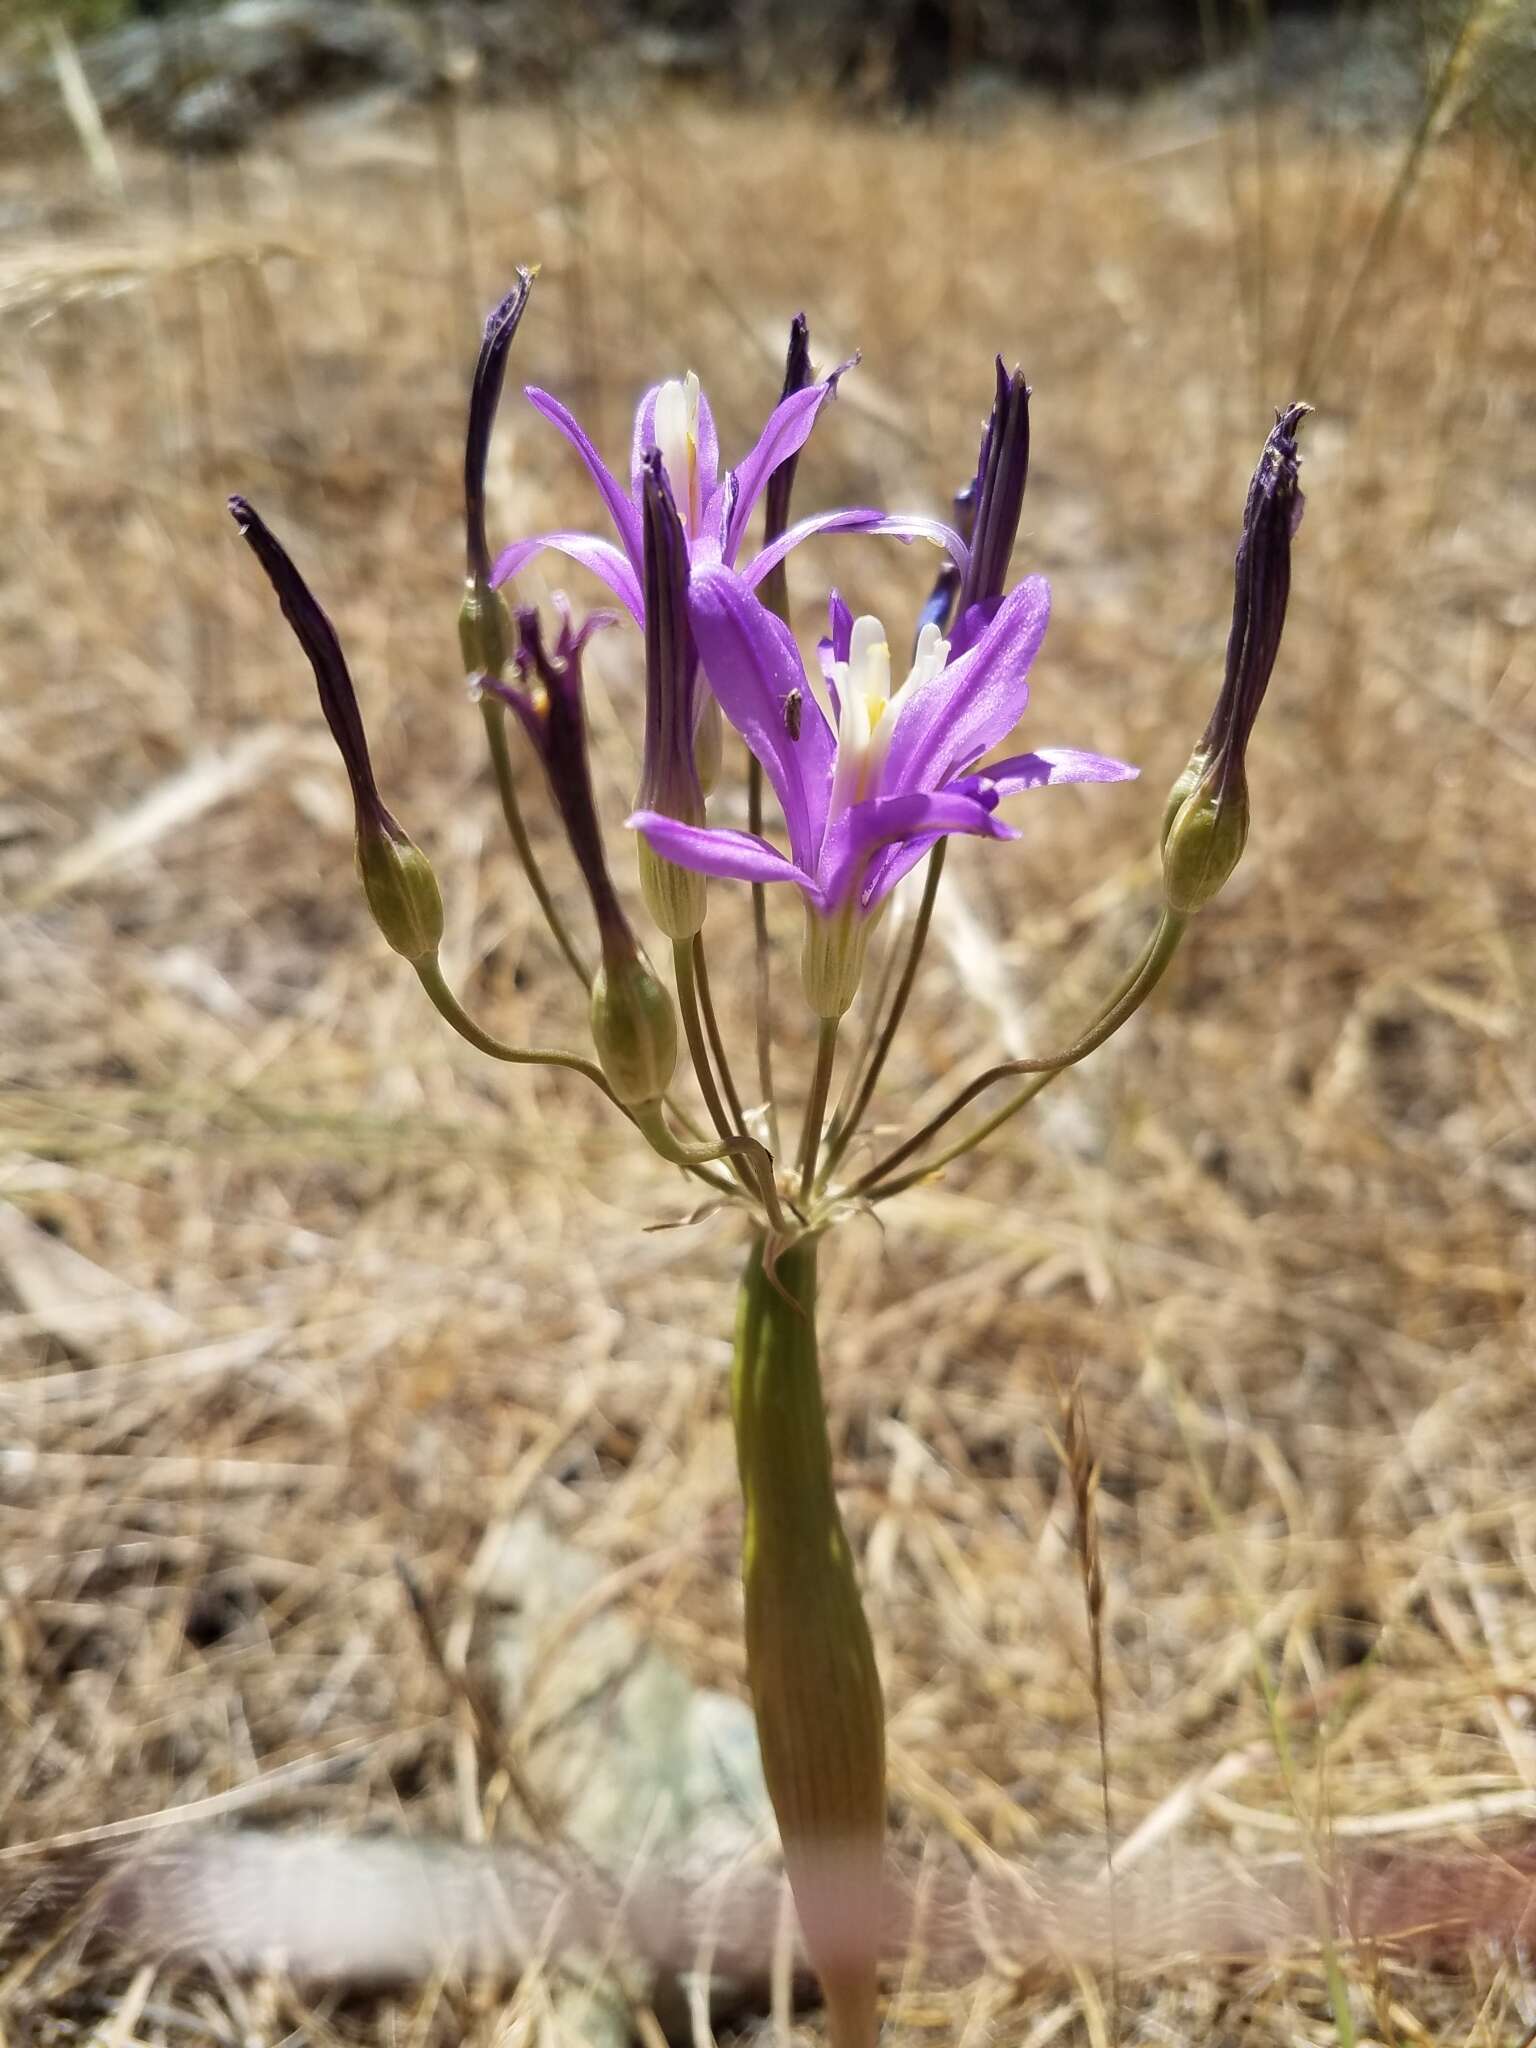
(376, 1295)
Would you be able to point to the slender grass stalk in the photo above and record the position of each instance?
(1338, 1989)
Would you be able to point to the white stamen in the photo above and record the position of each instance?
(864, 693)
(677, 436)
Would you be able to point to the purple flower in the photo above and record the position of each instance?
(867, 779)
(675, 419)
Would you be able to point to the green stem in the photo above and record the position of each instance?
(447, 1004)
(848, 1126)
(495, 717)
(810, 1658)
(1124, 1004)
(761, 977)
(816, 1107)
(753, 1162)
(716, 1041)
(698, 1051)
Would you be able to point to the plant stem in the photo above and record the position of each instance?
(712, 1027)
(752, 1161)
(1125, 1002)
(810, 1658)
(762, 981)
(843, 1136)
(447, 1005)
(816, 1106)
(698, 1050)
(495, 717)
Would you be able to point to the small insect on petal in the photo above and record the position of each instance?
(794, 705)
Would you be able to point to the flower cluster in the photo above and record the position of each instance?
(874, 764)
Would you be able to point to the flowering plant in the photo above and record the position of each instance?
(871, 778)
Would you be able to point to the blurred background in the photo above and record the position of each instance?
(293, 1287)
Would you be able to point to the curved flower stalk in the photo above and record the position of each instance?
(868, 778)
(872, 773)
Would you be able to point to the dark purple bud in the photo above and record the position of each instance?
(634, 1025)
(547, 699)
(317, 636)
(941, 599)
(397, 878)
(797, 375)
(669, 775)
(1002, 470)
(484, 397)
(1263, 586)
(1205, 823)
(669, 780)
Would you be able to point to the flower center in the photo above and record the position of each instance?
(864, 701)
(677, 437)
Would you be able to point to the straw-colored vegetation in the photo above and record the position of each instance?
(368, 1296)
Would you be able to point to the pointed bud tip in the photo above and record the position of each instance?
(484, 398)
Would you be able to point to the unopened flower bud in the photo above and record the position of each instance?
(634, 1028)
(1002, 471)
(484, 397)
(401, 889)
(1205, 821)
(683, 730)
(397, 878)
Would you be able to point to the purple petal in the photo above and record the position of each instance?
(836, 646)
(891, 864)
(903, 526)
(1049, 765)
(753, 666)
(890, 820)
(840, 626)
(734, 856)
(956, 716)
(621, 505)
(788, 429)
(600, 556)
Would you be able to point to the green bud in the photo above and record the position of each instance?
(674, 896)
(483, 630)
(832, 958)
(1185, 786)
(634, 1028)
(1203, 841)
(401, 889)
